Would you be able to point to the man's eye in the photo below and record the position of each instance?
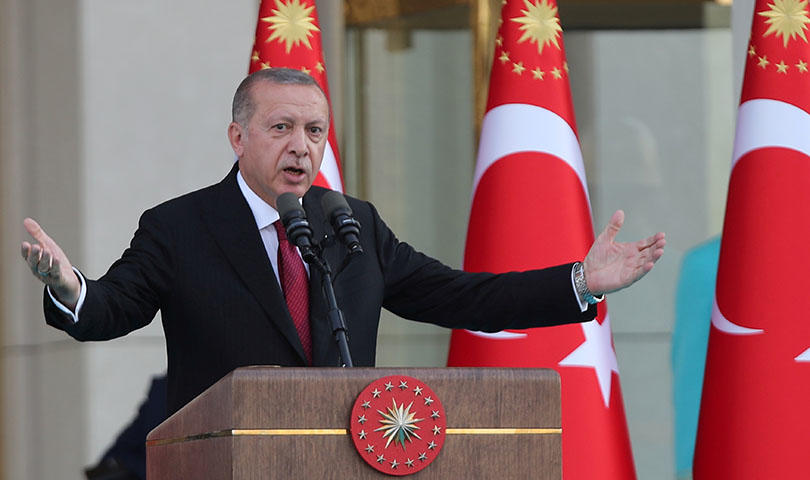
(279, 127)
(315, 130)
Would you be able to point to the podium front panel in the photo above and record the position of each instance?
(266, 422)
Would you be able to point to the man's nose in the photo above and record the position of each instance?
(298, 142)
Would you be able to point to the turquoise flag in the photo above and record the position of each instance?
(690, 337)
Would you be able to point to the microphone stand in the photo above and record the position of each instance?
(335, 316)
(299, 234)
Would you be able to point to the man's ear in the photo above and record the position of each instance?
(236, 135)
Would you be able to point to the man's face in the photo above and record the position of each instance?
(281, 147)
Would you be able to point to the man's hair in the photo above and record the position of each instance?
(243, 104)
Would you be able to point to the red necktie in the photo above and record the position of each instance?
(295, 284)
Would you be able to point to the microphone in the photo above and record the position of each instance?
(340, 215)
(295, 223)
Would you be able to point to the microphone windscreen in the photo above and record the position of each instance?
(287, 203)
(332, 201)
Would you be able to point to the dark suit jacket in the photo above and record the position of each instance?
(199, 259)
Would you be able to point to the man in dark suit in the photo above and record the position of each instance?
(210, 261)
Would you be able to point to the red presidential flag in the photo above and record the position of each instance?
(288, 35)
(754, 421)
(530, 178)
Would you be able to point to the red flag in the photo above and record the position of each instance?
(530, 166)
(754, 421)
(288, 35)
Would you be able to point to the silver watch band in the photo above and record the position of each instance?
(582, 286)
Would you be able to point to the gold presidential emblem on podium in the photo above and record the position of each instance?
(398, 425)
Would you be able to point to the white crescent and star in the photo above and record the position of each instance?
(763, 123)
(329, 169)
(519, 127)
(596, 352)
(720, 322)
(502, 335)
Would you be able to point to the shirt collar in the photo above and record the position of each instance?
(263, 213)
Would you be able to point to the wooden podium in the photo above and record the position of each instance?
(270, 422)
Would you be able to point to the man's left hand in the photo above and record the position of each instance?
(611, 266)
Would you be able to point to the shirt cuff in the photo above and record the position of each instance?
(83, 293)
(583, 305)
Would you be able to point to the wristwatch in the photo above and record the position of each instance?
(582, 286)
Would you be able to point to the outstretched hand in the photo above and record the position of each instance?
(50, 265)
(611, 266)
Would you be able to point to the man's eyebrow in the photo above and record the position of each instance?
(284, 116)
(276, 117)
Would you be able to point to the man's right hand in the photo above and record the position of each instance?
(50, 265)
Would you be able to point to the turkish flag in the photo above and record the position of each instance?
(754, 421)
(530, 180)
(288, 35)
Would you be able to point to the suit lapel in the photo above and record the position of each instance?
(231, 223)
